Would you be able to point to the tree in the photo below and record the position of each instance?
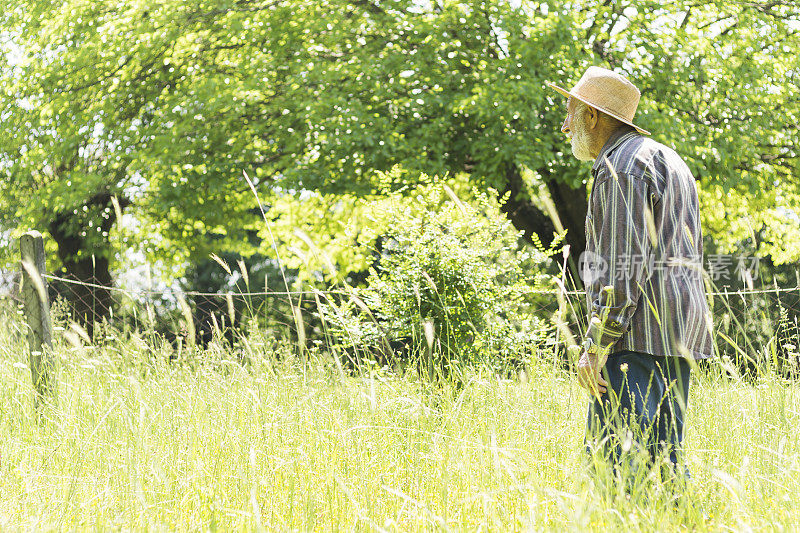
(162, 105)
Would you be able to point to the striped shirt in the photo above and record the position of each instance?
(644, 251)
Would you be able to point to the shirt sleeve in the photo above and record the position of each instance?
(621, 226)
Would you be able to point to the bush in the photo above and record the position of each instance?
(449, 287)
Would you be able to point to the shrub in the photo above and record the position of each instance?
(449, 285)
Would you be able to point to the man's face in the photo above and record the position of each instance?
(577, 130)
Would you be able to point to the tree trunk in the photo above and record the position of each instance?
(521, 211)
(84, 262)
(570, 206)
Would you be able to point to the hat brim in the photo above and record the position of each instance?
(604, 110)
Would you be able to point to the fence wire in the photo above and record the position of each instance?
(750, 325)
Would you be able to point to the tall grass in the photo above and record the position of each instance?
(136, 442)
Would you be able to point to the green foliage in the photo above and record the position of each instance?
(166, 103)
(451, 283)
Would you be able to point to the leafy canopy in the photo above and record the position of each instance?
(164, 104)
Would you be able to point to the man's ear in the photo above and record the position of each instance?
(592, 117)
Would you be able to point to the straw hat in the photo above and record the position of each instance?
(607, 91)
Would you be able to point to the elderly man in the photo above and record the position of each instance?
(642, 269)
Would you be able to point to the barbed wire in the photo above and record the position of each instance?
(201, 315)
(554, 291)
(775, 290)
(151, 292)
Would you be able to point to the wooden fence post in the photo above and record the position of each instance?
(37, 313)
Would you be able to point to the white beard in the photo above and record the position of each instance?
(580, 140)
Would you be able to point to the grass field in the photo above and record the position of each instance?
(135, 443)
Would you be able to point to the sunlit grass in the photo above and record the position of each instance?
(135, 442)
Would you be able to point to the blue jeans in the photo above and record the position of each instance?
(638, 421)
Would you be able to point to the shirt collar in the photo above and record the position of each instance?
(617, 138)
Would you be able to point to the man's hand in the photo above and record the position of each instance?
(589, 376)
